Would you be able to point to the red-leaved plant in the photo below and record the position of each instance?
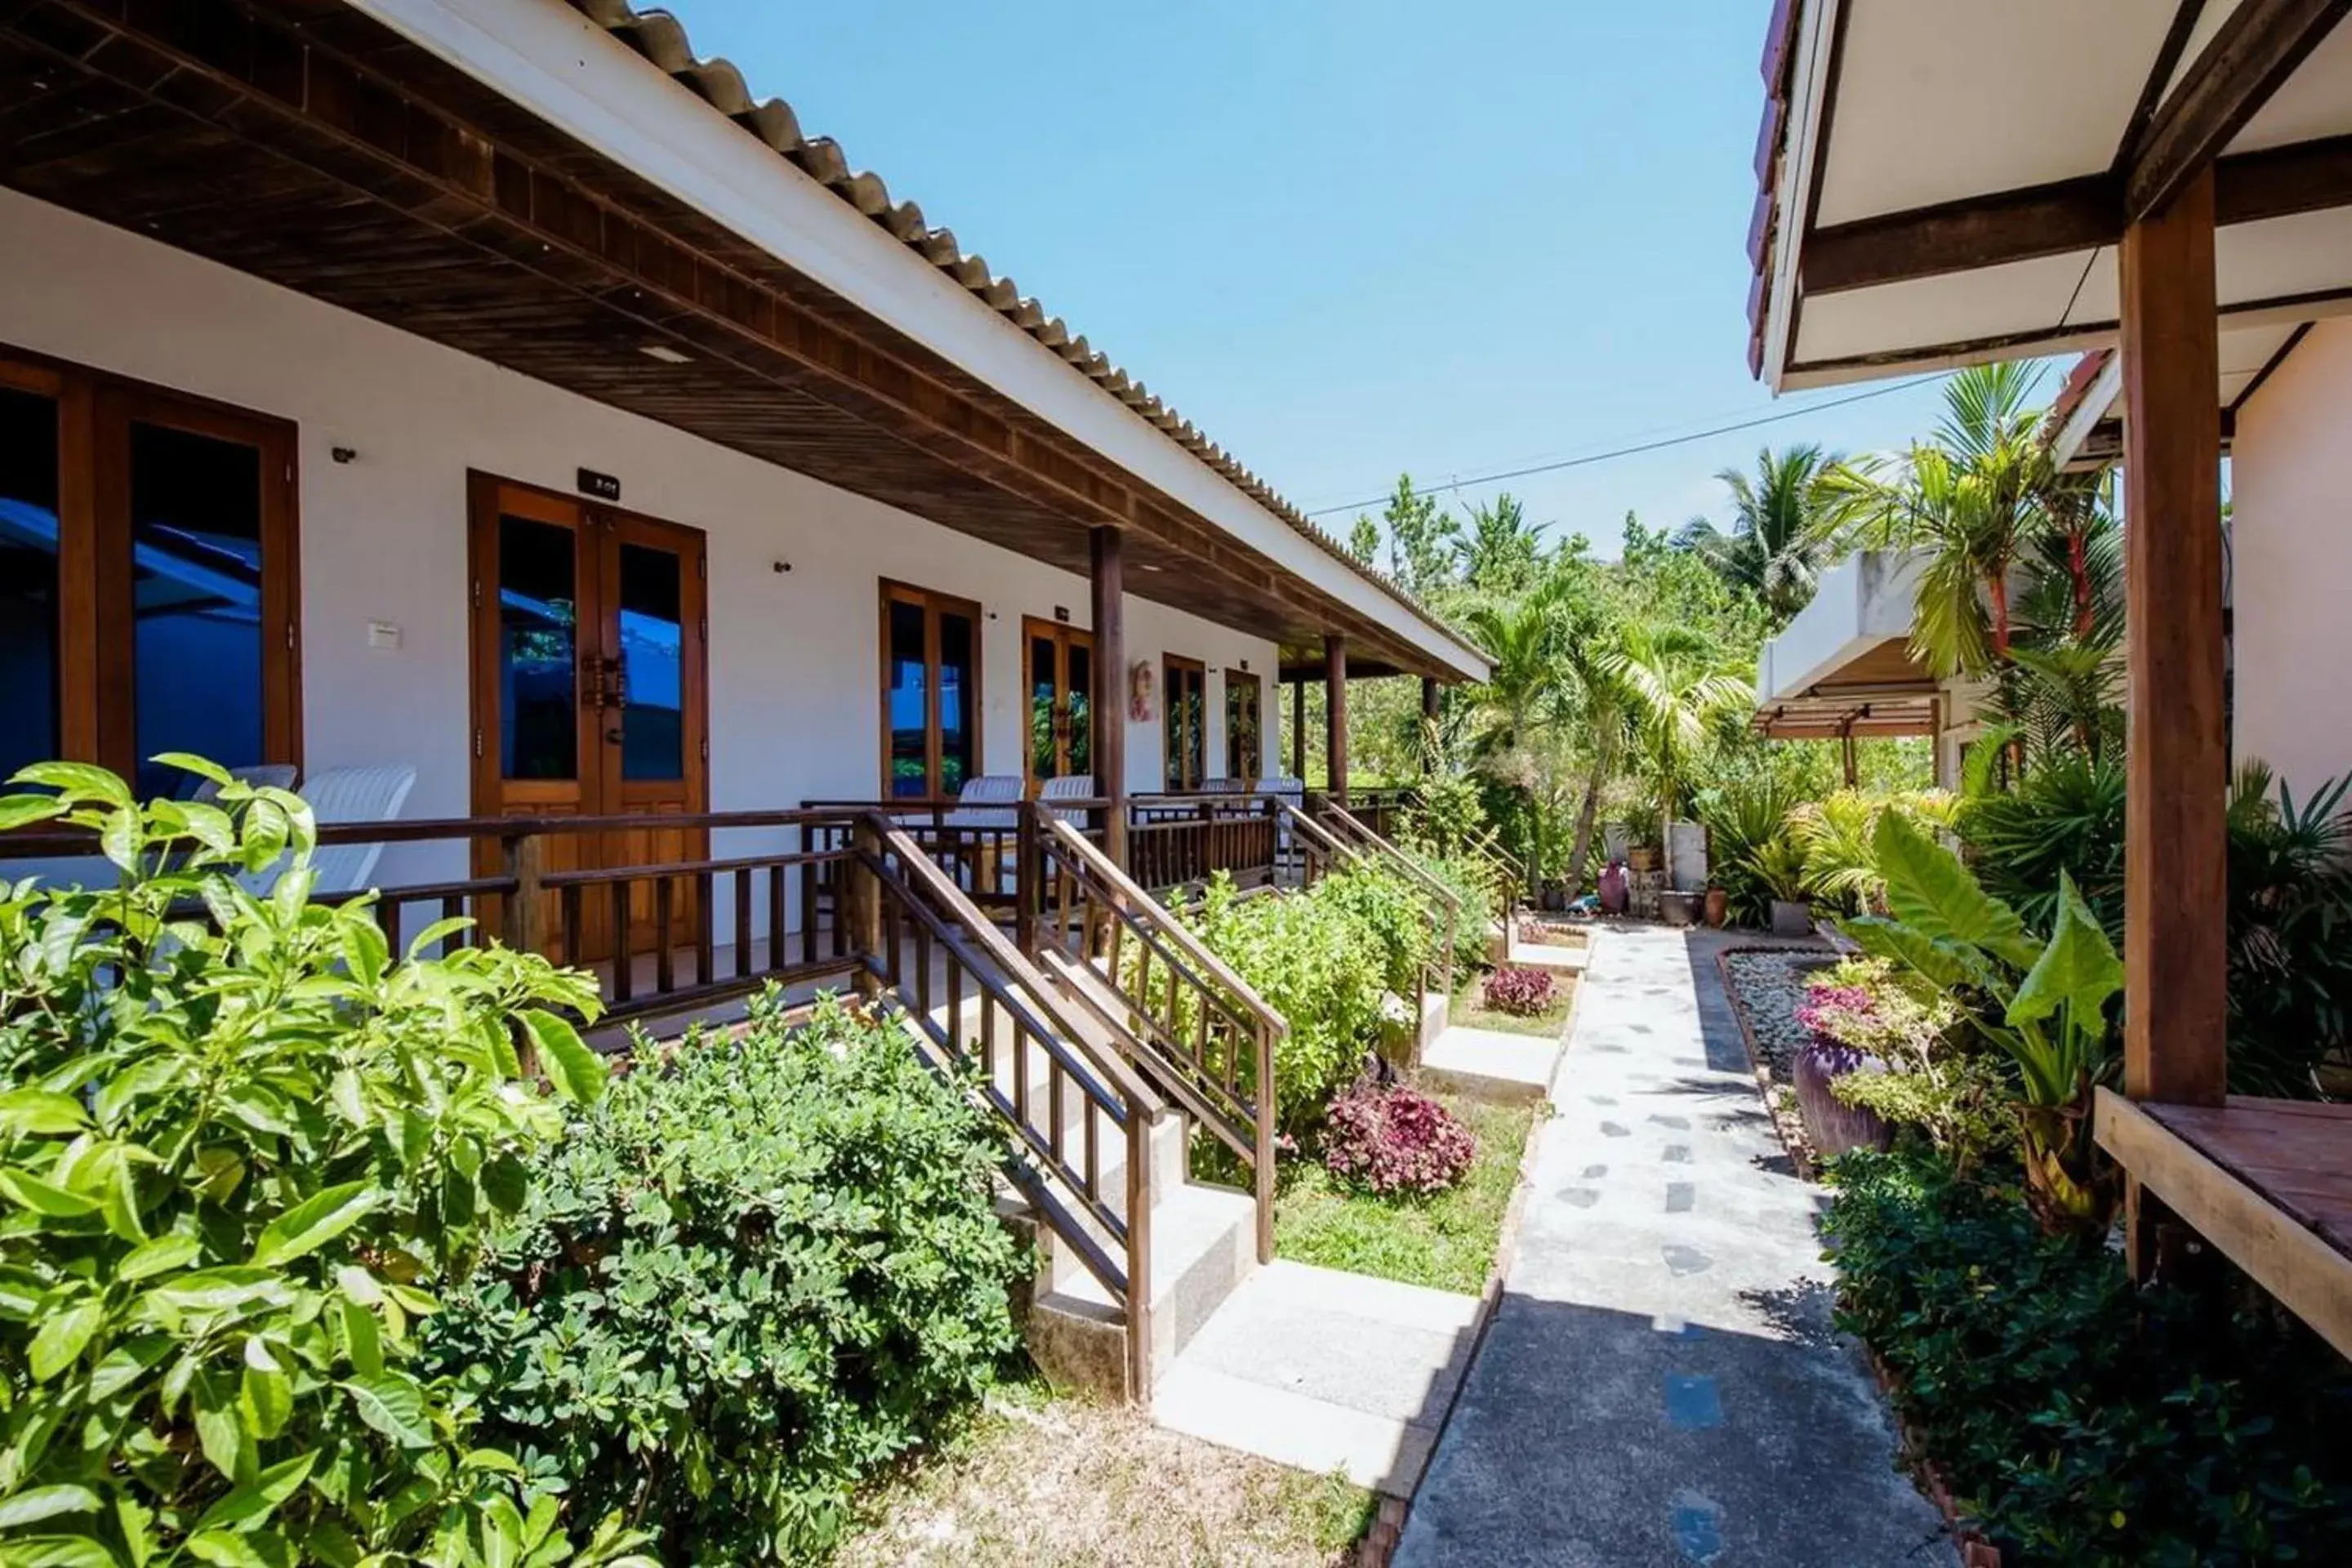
(1391, 1139)
(1523, 993)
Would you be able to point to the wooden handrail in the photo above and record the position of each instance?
(602, 875)
(1103, 866)
(1001, 952)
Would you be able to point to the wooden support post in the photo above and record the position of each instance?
(860, 911)
(1845, 749)
(1429, 725)
(522, 919)
(1298, 729)
(1108, 713)
(2176, 1004)
(1335, 717)
(2175, 849)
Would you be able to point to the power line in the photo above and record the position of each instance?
(1659, 444)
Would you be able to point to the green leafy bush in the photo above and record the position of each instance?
(1749, 847)
(1322, 958)
(239, 1149)
(2081, 1421)
(1938, 1080)
(1391, 916)
(757, 1272)
(1471, 878)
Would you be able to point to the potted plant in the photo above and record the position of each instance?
(1678, 908)
(1781, 867)
(1718, 907)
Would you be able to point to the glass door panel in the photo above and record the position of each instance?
(29, 724)
(1244, 740)
(959, 687)
(1078, 706)
(195, 593)
(907, 700)
(1058, 661)
(538, 650)
(652, 673)
(1182, 681)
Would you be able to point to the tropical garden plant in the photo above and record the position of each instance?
(763, 1268)
(244, 1150)
(2042, 1001)
(1777, 542)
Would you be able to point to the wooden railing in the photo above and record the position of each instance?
(1343, 827)
(1175, 841)
(934, 958)
(1206, 1038)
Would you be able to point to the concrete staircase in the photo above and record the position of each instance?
(1202, 1237)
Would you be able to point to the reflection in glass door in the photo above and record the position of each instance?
(1244, 739)
(1183, 686)
(1059, 675)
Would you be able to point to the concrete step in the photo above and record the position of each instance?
(1321, 1371)
(1555, 956)
(1492, 1065)
(1204, 1246)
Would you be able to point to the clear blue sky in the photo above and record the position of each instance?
(1349, 240)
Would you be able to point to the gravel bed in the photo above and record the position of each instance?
(1769, 987)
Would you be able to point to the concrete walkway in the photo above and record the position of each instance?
(1660, 1384)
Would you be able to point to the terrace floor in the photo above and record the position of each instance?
(1661, 1383)
(2268, 1182)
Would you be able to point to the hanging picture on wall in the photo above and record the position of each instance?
(1141, 680)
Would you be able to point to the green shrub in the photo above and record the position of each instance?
(1470, 877)
(1749, 848)
(239, 1155)
(754, 1274)
(1322, 958)
(1391, 916)
(1938, 1079)
(2083, 1422)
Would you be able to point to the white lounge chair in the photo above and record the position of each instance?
(991, 800)
(1069, 786)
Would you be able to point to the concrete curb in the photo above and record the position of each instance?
(1785, 1124)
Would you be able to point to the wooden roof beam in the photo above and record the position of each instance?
(2073, 215)
(2251, 58)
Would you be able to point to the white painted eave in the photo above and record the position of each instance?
(552, 61)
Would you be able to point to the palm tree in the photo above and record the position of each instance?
(1776, 545)
(1677, 689)
(1502, 551)
(1976, 500)
(1605, 706)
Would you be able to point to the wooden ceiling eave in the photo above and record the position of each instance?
(205, 69)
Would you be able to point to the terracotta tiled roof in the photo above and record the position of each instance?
(1763, 222)
(661, 38)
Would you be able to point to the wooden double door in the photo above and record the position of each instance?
(591, 695)
(1058, 674)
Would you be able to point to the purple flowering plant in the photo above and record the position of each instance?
(1394, 1139)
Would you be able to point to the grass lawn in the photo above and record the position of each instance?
(1038, 1480)
(1465, 1010)
(1446, 1242)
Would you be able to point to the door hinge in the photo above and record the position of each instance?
(477, 592)
(702, 567)
(477, 741)
(705, 748)
(289, 637)
(705, 625)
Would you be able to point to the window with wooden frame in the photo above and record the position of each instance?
(148, 576)
(1184, 687)
(1245, 735)
(930, 693)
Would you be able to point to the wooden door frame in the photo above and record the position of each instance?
(1169, 664)
(1256, 769)
(97, 663)
(484, 506)
(931, 601)
(1064, 637)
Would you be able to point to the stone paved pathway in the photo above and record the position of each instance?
(1660, 1384)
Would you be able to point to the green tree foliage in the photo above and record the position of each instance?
(760, 1269)
(1774, 549)
(1422, 538)
(1501, 552)
(1364, 540)
(242, 1147)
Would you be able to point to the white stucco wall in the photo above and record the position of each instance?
(2291, 557)
(794, 712)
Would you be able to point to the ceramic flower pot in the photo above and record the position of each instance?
(1718, 906)
(1791, 919)
(1835, 1126)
